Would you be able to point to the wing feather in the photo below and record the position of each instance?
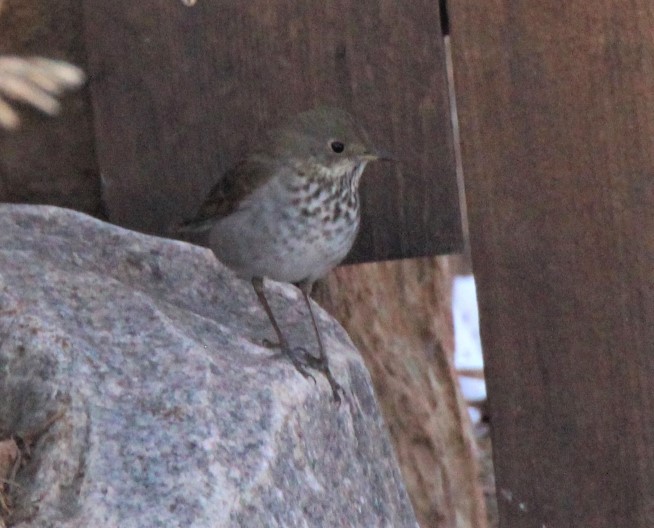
(227, 195)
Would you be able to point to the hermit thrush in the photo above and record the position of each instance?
(289, 211)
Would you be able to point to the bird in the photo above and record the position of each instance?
(289, 211)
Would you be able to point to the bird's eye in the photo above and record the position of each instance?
(337, 146)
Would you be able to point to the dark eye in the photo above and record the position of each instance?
(337, 146)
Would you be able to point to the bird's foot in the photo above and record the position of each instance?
(302, 360)
(321, 365)
(298, 357)
(337, 389)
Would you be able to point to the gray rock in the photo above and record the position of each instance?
(175, 415)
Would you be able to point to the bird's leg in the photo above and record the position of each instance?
(292, 354)
(321, 363)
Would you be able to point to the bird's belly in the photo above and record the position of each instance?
(286, 246)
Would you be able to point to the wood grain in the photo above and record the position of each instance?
(179, 92)
(49, 160)
(556, 106)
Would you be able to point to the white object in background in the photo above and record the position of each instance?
(473, 389)
(467, 343)
(475, 415)
(468, 358)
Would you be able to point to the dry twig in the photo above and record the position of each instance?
(35, 81)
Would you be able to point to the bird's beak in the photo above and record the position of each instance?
(379, 155)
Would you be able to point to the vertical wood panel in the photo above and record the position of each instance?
(178, 92)
(556, 106)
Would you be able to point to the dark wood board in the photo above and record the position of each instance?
(49, 160)
(179, 91)
(556, 107)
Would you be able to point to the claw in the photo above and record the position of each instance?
(321, 366)
(292, 353)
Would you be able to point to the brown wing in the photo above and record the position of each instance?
(227, 194)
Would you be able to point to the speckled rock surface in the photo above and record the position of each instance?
(174, 413)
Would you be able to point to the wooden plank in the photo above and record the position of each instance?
(556, 106)
(178, 92)
(49, 160)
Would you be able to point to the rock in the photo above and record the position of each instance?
(173, 414)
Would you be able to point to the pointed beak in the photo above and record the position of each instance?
(379, 155)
